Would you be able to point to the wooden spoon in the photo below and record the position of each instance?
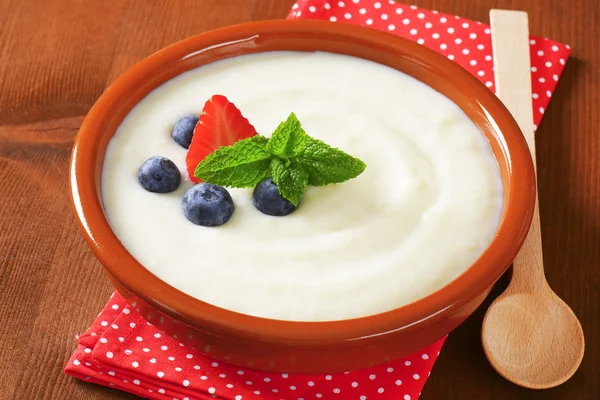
(530, 336)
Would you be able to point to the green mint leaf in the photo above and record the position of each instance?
(291, 180)
(325, 164)
(241, 165)
(288, 139)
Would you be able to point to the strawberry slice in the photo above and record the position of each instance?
(220, 124)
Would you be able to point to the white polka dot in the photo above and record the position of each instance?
(487, 31)
(160, 374)
(203, 377)
(542, 80)
(472, 62)
(311, 383)
(341, 4)
(114, 326)
(425, 357)
(178, 369)
(481, 73)
(295, 6)
(399, 11)
(238, 397)
(406, 397)
(488, 58)
(153, 360)
(111, 373)
(347, 15)
(336, 390)
(416, 376)
(356, 1)
(548, 93)
(398, 382)
(466, 51)
(212, 390)
(450, 30)
(406, 21)
(136, 381)
(197, 367)
(535, 95)
(435, 36)
(103, 340)
(451, 56)
(163, 347)
(229, 386)
(380, 390)
(76, 362)
(267, 379)
(284, 376)
(248, 383)
(318, 395)
(372, 376)
(420, 15)
(421, 41)
(109, 354)
(443, 20)
(240, 372)
(157, 335)
(256, 392)
(292, 387)
(533, 69)
(473, 36)
(135, 364)
(327, 6)
(555, 48)
(333, 19)
(369, 21)
(312, 9)
(189, 356)
(171, 358)
(384, 17)
(562, 61)
(542, 110)
(555, 77)
(443, 46)
(104, 323)
(328, 377)
(139, 338)
(540, 53)
(458, 41)
(413, 31)
(126, 311)
(354, 384)
(363, 397)
(391, 27)
(532, 42)
(132, 325)
(115, 307)
(87, 350)
(362, 11)
(377, 5)
(428, 25)
(275, 390)
(407, 363)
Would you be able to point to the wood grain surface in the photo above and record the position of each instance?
(56, 58)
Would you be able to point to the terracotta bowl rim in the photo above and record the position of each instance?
(437, 306)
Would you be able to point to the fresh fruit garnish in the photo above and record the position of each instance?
(221, 124)
(159, 175)
(208, 205)
(268, 200)
(291, 157)
(184, 130)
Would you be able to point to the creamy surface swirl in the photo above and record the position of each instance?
(425, 208)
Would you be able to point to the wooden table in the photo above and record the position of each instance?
(56, 58)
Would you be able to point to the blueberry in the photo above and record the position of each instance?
(208, 205)
(268, 200)
(159, 175)
(184, 130)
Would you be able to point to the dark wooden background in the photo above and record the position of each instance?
(56, 58)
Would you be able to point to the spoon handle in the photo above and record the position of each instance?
(510, 44)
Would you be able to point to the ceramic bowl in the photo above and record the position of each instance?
(307, 347)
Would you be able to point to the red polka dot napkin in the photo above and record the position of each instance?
(124, 351)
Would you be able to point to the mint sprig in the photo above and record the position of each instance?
(290, 156)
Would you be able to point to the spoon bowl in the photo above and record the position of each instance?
(533, 339)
